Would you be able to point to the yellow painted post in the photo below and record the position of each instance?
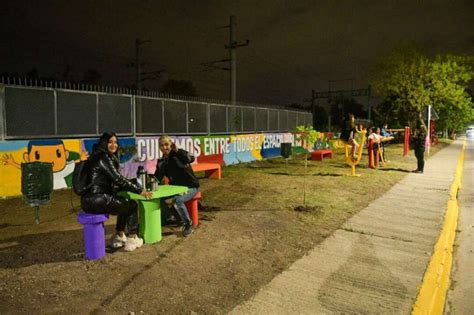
(349, 160)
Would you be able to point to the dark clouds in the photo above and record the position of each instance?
(295, 46)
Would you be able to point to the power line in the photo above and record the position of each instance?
(73, 48)
(256, 54)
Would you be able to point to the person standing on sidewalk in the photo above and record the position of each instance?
(418, 142)
(176, 166)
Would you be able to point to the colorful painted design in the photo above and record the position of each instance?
(61, 153)
(144, 151)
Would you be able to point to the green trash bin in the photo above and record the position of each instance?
(36, 184)
(36, 181)
(286, 150)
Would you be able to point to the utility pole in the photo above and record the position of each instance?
(137, 64)
(428, 132)
(233, 60)
(313, 108)
(369, 106)
(232, 47)
(138, 78)
(138, 84)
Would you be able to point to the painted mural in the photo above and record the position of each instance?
(134, 152)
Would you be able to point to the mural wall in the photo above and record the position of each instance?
(144, 151)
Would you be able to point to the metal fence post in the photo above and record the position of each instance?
(163, 116)
(2, 112)
(268, 120)
(97, 113)
(255, 120)
(278, 121)
(187, 117)
(208, 115)
(227, 119)
(133, 99)
(55, 113)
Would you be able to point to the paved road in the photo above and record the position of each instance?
(375, 262)
(461, 294)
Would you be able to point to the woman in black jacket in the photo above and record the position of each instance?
(101, 197)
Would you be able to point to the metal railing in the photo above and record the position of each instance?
(52, 109)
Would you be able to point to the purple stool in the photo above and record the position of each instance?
(94, 239)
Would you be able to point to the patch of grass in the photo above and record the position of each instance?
(268, 185)
(271, 184)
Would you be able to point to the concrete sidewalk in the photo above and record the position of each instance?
(375, 262)
(461, 295)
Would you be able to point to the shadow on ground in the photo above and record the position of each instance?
(394, 169)
(315, 174)
(27, 250)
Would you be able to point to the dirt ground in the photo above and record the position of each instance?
(248, 233)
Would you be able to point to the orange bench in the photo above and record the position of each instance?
(318, 155)
(212, 170)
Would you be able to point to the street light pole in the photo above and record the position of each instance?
(428, 132)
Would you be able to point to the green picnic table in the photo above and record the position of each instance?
(150, 210)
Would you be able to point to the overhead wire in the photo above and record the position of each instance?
(212, 82)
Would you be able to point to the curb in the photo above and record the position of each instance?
(432, 291)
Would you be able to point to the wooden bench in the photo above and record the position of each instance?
(318, 155)
(212, 170)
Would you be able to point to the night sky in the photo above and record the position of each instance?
(295, 46)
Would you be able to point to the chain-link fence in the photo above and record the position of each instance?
(45, 112)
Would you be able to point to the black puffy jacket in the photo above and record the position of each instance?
(418, 140)
(104, 176)
(177, 168)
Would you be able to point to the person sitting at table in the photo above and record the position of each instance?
(176, 166)
(101, 197)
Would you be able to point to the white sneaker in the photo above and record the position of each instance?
(118, 241)
(133, 243)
